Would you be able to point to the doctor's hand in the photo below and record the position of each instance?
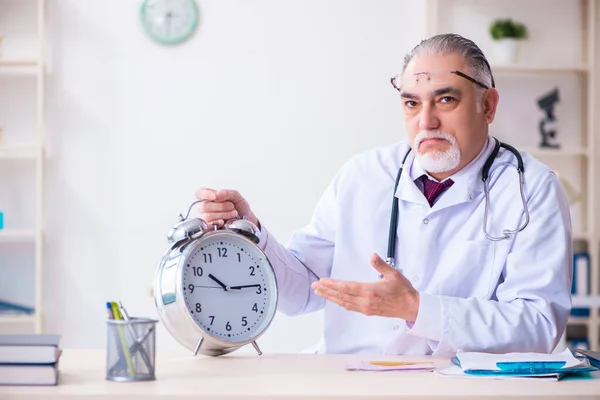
(222, 205)
(393, 296)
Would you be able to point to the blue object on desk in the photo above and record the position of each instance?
(534, 367)
(529, 368)
(1, 220)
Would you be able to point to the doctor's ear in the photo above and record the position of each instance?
(489, 103)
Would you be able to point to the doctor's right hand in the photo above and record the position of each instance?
(222, 205)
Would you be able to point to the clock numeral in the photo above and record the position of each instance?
(222, 251)
(259, 290)
(251, 270)
(212, 319)
(207, 258)
(197, 271)
(255, 308)
(244, 321)
(191, 287)
(228, 326)
(239, 257)
(198, 307)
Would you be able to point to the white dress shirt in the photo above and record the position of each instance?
(475, 294)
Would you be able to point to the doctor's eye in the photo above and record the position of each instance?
(410, 103)
(447, 100)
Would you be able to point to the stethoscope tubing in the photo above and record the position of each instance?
(485, 172)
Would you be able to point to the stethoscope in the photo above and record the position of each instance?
(391, 252)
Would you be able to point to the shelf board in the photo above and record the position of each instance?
(586, 301)
(578, 320)
(18, 66)
(516, 68)
(562, 152)
(18, 151)
(582, 236)
(17, 318)
(17, 235)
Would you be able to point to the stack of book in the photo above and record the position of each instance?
(29, 359)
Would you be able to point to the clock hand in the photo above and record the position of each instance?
(224, 286)
(243, 286)
(169, 16)
(207, 287)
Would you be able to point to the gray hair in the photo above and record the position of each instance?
(451, 43)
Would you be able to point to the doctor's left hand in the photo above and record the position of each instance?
(393, 296)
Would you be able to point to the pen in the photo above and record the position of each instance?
(116, 338)
(118, 316)
(398, 363)
(137, 345)
(109, 310)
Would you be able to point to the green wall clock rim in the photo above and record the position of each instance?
(177, 40)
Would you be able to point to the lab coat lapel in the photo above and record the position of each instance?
(407, 189)
(462, 191)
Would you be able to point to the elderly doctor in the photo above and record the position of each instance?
(451, 287)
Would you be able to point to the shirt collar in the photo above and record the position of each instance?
(467, 181)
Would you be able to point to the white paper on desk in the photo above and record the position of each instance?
(487, 361)
(369, 366)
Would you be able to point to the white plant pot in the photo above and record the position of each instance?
(506, 51)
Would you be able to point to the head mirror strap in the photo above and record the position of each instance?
(485, 173)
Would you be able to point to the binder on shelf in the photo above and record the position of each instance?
(578, 343)
(581, 283)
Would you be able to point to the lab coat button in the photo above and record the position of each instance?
(425, 221)
(396, 327)
(415, 278)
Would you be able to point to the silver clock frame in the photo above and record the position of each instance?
(170, 303)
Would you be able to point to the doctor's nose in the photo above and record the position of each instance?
(428, 119)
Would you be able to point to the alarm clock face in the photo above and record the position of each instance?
(229, 287)
(169, 21)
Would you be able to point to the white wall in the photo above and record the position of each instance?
(270, 97)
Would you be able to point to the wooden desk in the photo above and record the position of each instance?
(284, 377)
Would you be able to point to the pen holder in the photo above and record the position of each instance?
(130, 350)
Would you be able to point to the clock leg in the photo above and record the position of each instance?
(255, 345)
(198, 346)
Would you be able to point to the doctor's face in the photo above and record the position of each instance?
(446, 115)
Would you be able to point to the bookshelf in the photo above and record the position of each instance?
(22, 65)
(565, 27)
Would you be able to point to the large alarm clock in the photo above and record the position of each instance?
(215, 290)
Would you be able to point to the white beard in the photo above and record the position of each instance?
(435, 161)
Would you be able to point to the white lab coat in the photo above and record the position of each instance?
(476, 295)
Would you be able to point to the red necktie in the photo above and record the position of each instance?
(433, 189)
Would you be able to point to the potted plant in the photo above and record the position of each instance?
(507, 34)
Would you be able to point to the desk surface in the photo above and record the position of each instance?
(82, 374)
